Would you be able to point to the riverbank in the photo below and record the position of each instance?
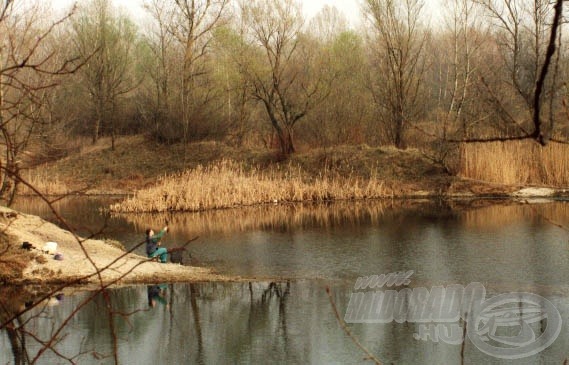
(85, 261)
(19, 266)
(211, 175)
(137, 163)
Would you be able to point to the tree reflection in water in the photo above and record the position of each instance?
(14, 300)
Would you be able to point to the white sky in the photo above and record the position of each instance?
(350, 8)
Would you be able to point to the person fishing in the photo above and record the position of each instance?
(153, 243)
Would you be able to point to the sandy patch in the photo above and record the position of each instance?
(82, 259)
(534, 192)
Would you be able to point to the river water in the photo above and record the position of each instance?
(291, 255)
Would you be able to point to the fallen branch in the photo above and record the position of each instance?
(370, 356)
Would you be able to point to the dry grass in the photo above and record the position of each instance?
(13, 260)
(516, 162)
(136, 163)
(44, 181)
(227, 184)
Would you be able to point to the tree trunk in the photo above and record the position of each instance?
(96, 127)
(399, 131)
(286, 141)
(10, 168)
(113, 127)
(16, 347)
(15, 185)
(100, 114)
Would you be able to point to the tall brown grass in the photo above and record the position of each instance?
(516, 162)
(44, 182)
(227, 184)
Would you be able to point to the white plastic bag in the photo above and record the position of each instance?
(50, 248)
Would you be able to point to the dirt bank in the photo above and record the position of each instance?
(81, 258)
(137, 163)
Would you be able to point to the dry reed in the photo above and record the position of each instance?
(226, 184)
(516, 162)
(43, 182)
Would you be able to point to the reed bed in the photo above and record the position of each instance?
(227, 184)
(44, 182)
(516, 162)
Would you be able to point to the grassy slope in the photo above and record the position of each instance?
(136, 163)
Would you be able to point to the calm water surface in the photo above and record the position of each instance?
(293, 253)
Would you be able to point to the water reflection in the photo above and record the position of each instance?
(281, 218)
(84, 216)
(470, 240)
(237, 323)
(496, 216)
(509, 247)
(11, 303)
(157, 294)
(14, 301)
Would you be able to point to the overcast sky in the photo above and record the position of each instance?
(350, 8)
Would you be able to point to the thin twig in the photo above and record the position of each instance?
(370, 356)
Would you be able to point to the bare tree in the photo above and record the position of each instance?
(328, 23)
(344, 117)
(105, 43)
(398, 66)
(283, 68)
(454, 55)
(340, 119)
(160, 66)
(467, 36)
(29, 65)
(238, 108)
(191, 24)
(527, 33)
